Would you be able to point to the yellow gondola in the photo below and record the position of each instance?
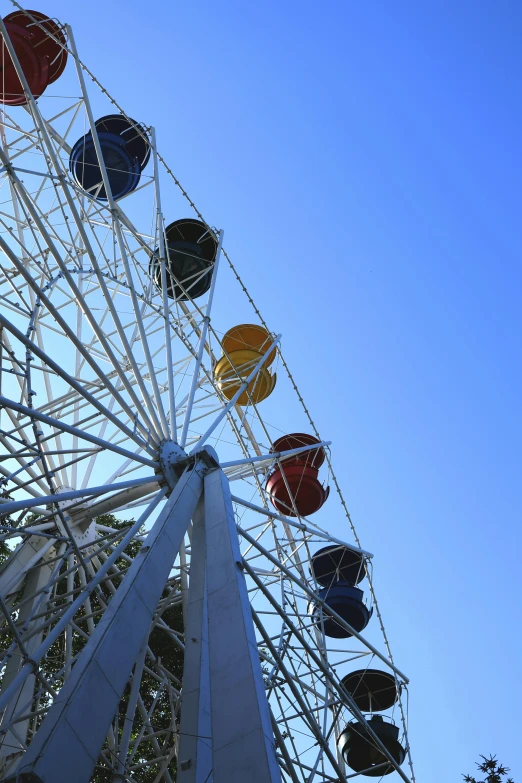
(244, 346)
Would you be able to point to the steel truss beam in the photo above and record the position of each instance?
(53, 233)
(226, 734)
(222, 740)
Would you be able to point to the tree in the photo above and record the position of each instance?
(168, 656)
(493, 770)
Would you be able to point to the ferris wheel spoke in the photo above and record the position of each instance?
(264, 461)
(308, 528)
(321, 665)
(202, 344)
(123, 467)
(76, 408)
(296, 693)
(161, 423)
(27, 487)
(132, 608)
(154, 411)
(25, 671)
(63, 374)
(154, 427)
(86, 310)
(25, 466)
(160, 231)
(56, 436)
(12, 506)
(10, 475)
(289, 764)
(107, 358)
(236, 396)
(124, 504)
(82, 434)
(273, 456)
(314, 597)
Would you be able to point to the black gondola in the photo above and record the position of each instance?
(338, 563)
(360, 751)
(191, 251)
(371, 689)
(133, 134)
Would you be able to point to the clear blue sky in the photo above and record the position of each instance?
(364, 159)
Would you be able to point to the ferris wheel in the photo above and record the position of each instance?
(172, 606)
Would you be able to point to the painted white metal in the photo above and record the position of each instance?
(226, 694)
(111, 391)
(153, 412)
(11, 741)
(160, 229)
(228, 407)
(25, 556)
(16, 505)
(60, 626)
(195, 740)
(299, 525)
(202, 345)
(75, 728)
(273, 456)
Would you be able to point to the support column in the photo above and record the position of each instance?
(25, 556)
(72, 734)
(10, 745)
(195, 744)
(242, 744)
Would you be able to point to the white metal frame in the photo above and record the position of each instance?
(107, 402)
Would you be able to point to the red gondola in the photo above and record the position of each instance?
(295, 485)
(45, 47)
(35, 68)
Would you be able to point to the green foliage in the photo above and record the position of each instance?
(169, 656)
(493, 770)
(4, 552)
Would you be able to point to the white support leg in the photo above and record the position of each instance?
(27, 554)
(73, 732)
(10, 742)
(195, 745)
(242, 742)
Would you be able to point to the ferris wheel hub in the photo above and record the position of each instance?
(174, 460)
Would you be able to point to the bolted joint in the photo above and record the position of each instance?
(173, 461)
(33, 664)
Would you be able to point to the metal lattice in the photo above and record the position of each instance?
(112, 418)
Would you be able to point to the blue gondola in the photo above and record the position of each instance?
(125, 151)
(347, 601)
